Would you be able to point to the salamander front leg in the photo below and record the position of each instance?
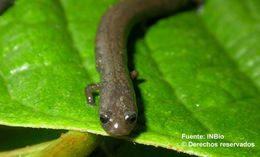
(134, 74)
(89, 93)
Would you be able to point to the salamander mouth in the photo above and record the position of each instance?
(116, 129)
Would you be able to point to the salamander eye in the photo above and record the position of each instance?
(104, 118)
(130, 118)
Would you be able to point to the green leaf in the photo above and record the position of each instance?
(71, 144)
(238, 32)
(193, 81)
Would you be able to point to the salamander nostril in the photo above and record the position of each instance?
(130, 118)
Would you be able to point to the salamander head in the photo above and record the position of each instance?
(118, 115)
(117, 109)
(118, 124)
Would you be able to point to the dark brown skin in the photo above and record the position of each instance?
(117, 108)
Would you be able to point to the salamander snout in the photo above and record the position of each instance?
(118, 125)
